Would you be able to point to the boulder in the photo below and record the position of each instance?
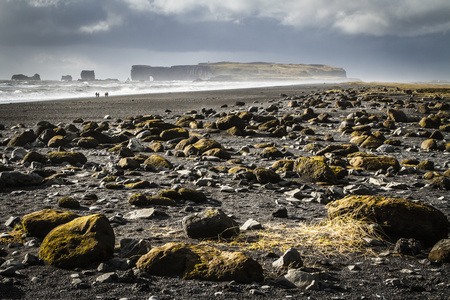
(174, 133)
(57, 141)
(440, 251)
(227, 122)
(266, 175)
(128, 163)
(204, 145)
(192, 195)
(217, 152)
(33, 156)
(40, 223)
(157, 162)
(314, 169)
(22, 139)
(396, 115)
(68, 202)
(200, 262)
(429, 144)
(72, 158)
(374, 163)
(210, 223)
(79, 243)
(271, 152)
(14, 178)
(87, 142)
(397, 217)
(342, 150)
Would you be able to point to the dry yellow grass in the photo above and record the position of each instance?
(337, 237)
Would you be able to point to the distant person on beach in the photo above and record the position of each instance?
(97, 95)
(106, 94)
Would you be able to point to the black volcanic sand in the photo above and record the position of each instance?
(355, 275)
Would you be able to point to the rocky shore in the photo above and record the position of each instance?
(331, 191)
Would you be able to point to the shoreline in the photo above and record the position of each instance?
(122, 106)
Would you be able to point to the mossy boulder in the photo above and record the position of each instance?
(266, 175)
(33, 156)
(431, 121)
(271, 152)
(200, 262)
(426, 165)
(185, 142)
(142, 200)
(210, 223)
(314, 169)
(429, 144)
(440, 182)
(23, 138)
(204, 145)
(372, 142)
(57, 141)
(217, 152)
(374, 163)
(169, 193)
(143, 184)
(40, 223)
(396, 115)
(192, 195)
(398, 217)
(79, 243)
(184, 121)
(341, 150)
(174, 133)
(157, 162)
(283, 165)
(72, 158)
(128, 163)
(440, 252)
(227, 122)
(68, 202)
(87, 142)
(156, 147)
(100, 137)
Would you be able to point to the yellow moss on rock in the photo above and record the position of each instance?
(79, 243)
(40, 223)
(70, 157)
(374, 163)
(200, 262)
(158, 162)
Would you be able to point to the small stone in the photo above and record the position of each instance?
(107, 277)
(291, 259)
(251, 225)
(280, 213)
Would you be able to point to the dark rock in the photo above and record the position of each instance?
(440, 251)
(87, 75)
(408, 246)
(210, 223)
(23, 77)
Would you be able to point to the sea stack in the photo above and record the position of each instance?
(87, 75)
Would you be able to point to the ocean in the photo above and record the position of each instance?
(44, 90)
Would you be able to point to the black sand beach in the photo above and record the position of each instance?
(292, 208)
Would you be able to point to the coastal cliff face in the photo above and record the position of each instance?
(188, 72)
(236, 71)
(24, 77)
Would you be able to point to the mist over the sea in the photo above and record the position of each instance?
(29, 91)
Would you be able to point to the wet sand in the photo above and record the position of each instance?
(119, 107)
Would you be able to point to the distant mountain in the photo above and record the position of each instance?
(236, 71)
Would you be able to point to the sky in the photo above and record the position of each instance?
(373, 40)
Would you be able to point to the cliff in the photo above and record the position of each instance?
(236, 71)
(24, 77)
(186, 73)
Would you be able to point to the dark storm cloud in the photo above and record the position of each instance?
(75, 33)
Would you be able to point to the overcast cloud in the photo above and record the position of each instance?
(371, 39)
